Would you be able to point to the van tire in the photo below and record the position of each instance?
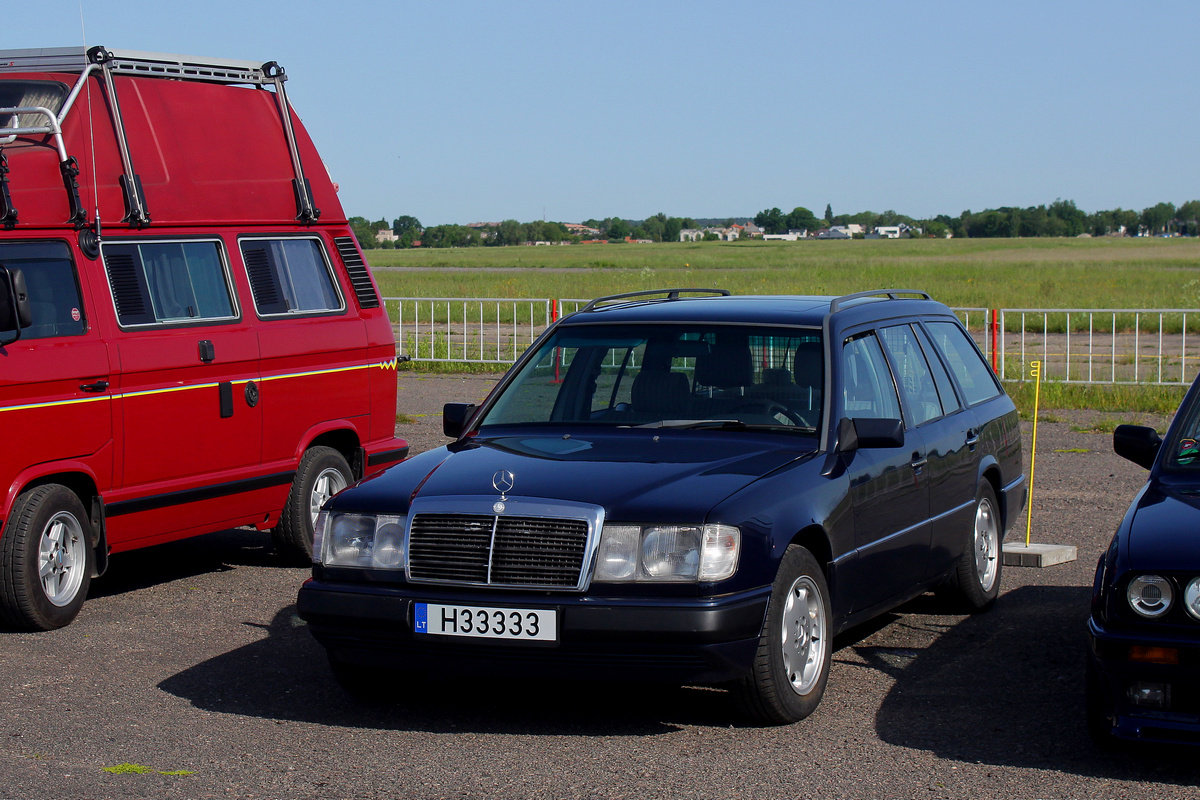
(48, 528)
(323, 472)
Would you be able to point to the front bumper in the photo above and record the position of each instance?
(686, 640)
(1145, 701)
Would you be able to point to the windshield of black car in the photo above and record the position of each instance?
(1183, 450)
(638, 375)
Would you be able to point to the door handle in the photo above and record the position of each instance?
(98, 386)
(918, 461)
(972, 438)
(207, 351)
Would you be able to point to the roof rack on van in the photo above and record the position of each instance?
(839, 303)
(671, 294)
(142, 64)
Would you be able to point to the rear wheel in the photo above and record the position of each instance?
(975, 584)
(45, 559)
(323, 472)
(795, 646)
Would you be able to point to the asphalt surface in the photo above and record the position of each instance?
(188, 659)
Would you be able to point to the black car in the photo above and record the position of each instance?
(686, 486)
(1143, 670)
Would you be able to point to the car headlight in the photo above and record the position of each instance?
(1191, 598)
(634, 553)
(359, 540)
(1150, 595)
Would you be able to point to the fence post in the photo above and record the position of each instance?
(995, 322)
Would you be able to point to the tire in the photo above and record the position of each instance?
(323, 472)
(791, 666)
(975, 584)
(46, 559)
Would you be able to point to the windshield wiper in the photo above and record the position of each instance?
(722, 424)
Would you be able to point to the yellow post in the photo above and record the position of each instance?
(1035, 372)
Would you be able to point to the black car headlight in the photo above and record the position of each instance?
(1150, 595)
(1191, 598)
(644, 553)
(359, 540)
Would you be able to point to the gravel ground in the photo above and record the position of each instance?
(188, 657)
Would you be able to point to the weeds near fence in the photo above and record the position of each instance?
(1125, 398)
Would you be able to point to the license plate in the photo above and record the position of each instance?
(482, 622)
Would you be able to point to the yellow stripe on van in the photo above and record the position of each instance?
(29, 406)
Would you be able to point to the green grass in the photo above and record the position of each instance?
(1123, 398)
(968, 273)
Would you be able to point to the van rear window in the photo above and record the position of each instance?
(53, 289)
(168, 282)
(290, 276)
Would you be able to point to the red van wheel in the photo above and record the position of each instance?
(45, 559)
(323, 472)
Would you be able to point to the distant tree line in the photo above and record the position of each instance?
(1060, 218)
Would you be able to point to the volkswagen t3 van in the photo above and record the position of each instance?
(190, 339)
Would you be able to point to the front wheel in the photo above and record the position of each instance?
(791, 667)
(323, 472)
(45, 559)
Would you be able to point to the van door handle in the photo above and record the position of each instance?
(207, 351)
(98, 386)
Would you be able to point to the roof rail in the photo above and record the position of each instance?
(671, 294)
(839, 303)
(135, 62)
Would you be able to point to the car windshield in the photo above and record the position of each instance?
(670, 375)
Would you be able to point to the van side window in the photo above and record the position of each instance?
(976, 378)
(290, 276)
(50, 280)
(165, 282)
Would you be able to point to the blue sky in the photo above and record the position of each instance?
(466, 111)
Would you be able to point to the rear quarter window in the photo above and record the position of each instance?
(169, 282)
(975, 377)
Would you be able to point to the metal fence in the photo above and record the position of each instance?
(1100, 346)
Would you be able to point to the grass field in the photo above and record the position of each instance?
(978, 273)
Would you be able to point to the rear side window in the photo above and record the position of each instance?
(974, 375)
(912, 373)
(290, 276)
(157, 283)
(30, 94)
(52, 285)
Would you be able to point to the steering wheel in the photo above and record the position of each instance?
(774, 408)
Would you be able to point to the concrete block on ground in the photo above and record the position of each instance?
(1037, 555)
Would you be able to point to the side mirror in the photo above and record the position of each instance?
(15, 312)
(854, 434)
(455, 417)
(1137, 443)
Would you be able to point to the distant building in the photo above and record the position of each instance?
(580, 230)
(385, 235)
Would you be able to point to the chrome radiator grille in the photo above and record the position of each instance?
(481, 549)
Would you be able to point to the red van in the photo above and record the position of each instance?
(190, 339)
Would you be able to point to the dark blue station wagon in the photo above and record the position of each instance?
(684, 486)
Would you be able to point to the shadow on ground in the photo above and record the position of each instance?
(1006, 688)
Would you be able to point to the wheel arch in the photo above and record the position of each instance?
(82, 482)
(345, 439)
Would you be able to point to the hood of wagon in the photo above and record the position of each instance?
(1164, 532)
(635, 475)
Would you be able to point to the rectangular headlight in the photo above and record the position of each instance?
(674, 553)
(362, 540)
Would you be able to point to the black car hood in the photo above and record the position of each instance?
(636, 475)
(1164, 531)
